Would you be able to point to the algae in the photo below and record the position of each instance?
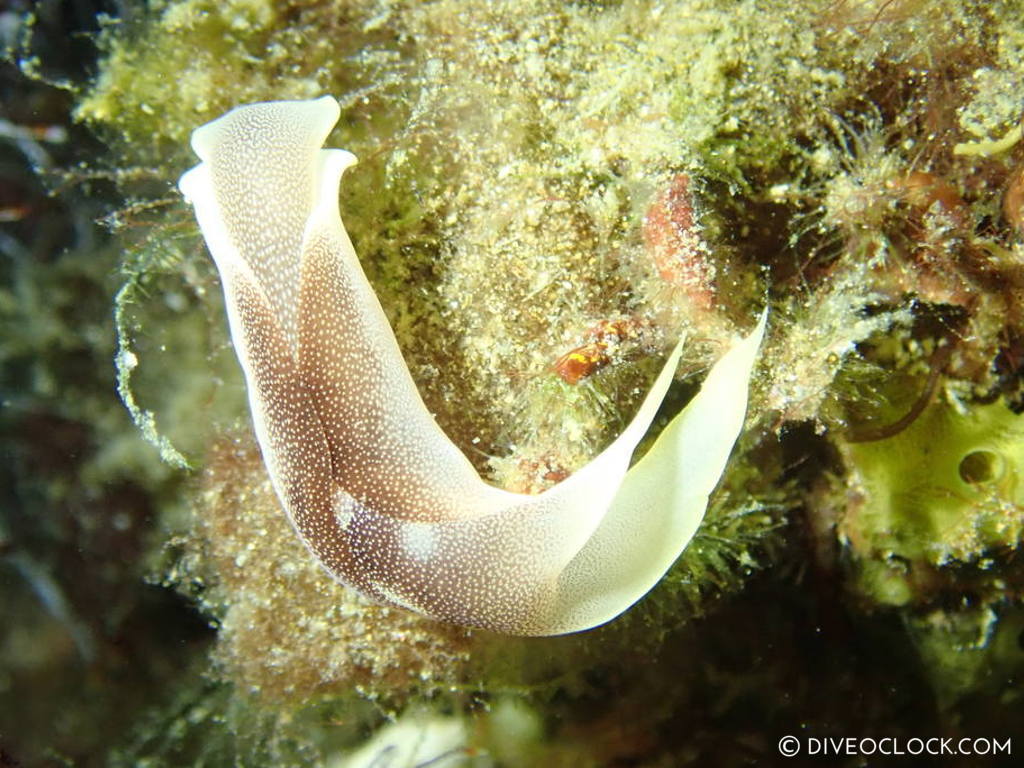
(512, 160)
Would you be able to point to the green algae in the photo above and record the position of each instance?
(508, 155)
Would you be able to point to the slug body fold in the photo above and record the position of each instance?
(376, 490)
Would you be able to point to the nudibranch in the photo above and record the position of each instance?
(376, 490)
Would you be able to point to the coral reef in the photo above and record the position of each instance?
(521, 211)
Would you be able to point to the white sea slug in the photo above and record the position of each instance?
(379, 494)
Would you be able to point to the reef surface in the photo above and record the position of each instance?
(548, 194)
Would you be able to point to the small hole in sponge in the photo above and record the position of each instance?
(979, 467)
